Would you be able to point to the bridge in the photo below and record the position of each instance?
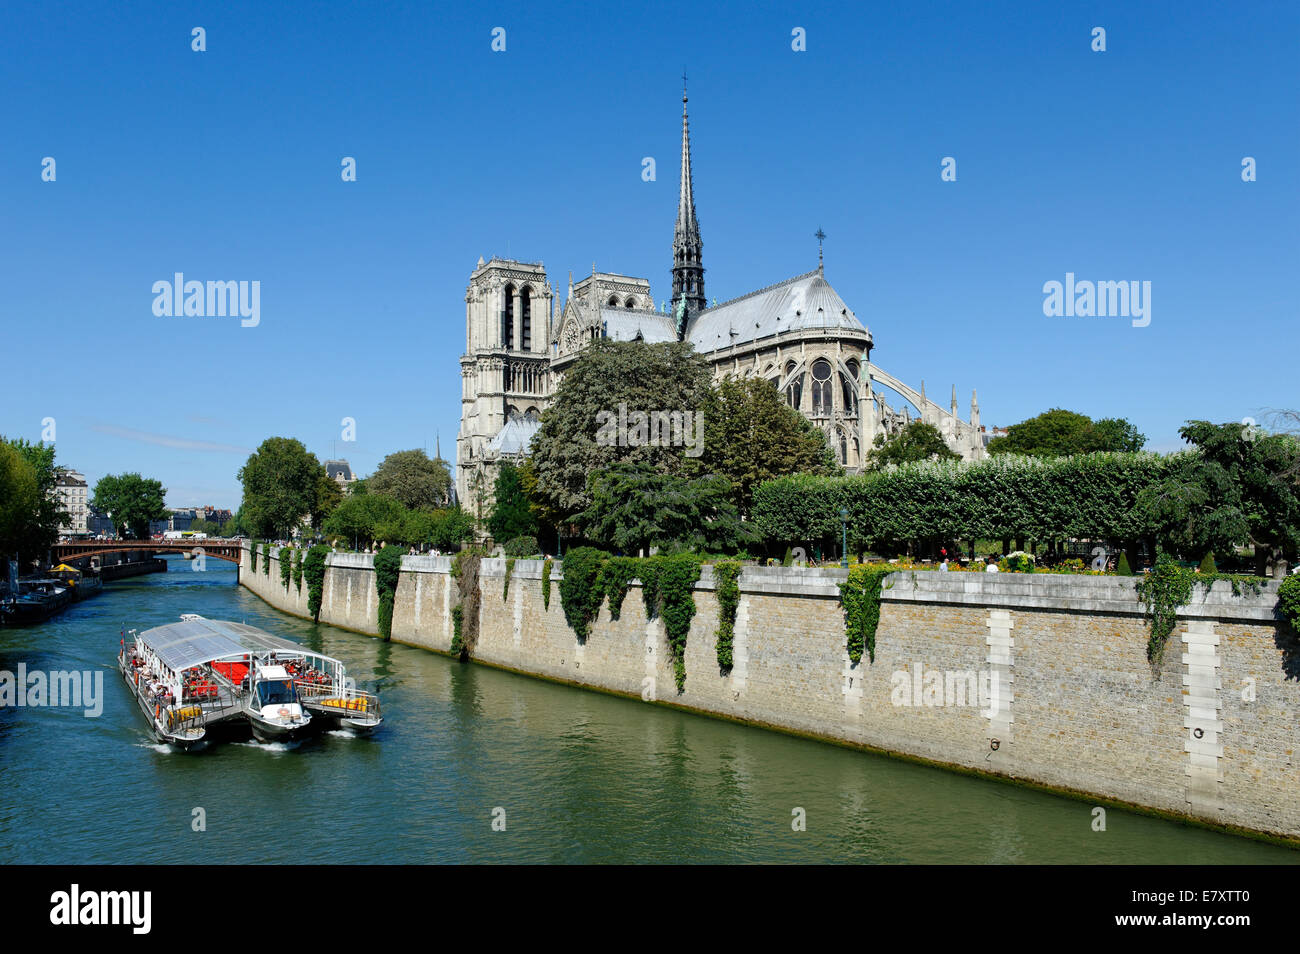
(221, 549)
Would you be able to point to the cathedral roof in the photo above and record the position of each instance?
(806, 302)
(624, 324)
(515, 436)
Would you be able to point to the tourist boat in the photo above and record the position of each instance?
(34, 602)
(201, 678)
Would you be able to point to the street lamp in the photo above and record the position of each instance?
(844, 537)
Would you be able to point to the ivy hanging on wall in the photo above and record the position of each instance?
(616, 576)
(286, 566)
(580, 594)
(313, 568)
(252, 557)
(1288, 601)
(505, 586)
(727, 590)
(266, 559)
(465, 616)
(677, 577)
(297, 569)
(388, 570)
(457, 622)
(1167, 587)
(546, 584)
(860, 600)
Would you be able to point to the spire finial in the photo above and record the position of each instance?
(821, 237)
(683, 84)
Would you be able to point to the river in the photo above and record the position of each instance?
(574, 776)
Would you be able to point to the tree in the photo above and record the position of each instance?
(617, 380)
(1060, 433)
(20, 501)
(412, 479)
(281, 482)
(134, 502)
(512, 516)
(751, 434)
(41, 529)
(328, 496)
(1262, 471)
(635, 507)
(362, 520)
(917, 441)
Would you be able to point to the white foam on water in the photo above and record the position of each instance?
(162, 748)
(342, 733)
(274, 747)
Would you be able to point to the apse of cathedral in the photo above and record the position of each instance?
(798, 333)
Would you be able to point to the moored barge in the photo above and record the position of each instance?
(197, 678)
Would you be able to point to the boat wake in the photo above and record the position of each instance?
(343, 733)
(274, 747)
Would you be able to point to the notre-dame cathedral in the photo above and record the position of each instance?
(799, 334)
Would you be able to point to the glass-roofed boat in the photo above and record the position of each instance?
(199, 677)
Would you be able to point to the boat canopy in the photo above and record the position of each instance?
(195, 641)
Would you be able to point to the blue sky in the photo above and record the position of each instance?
(225, 165)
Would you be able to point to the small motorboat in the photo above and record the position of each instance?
(273, 709)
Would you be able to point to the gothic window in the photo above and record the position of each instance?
(844, 449)
(821, 386)
(846, 386)
(630, 303)
(526, 318)
(531, 414)
(512, 412)
(508, 318)
(613, 301)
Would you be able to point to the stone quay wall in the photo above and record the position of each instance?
(1037, 677)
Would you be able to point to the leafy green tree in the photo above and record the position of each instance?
(412, 479)
(635, 507)
(134, 501)
(751, 434)
(20, 501)
(328, 496)
(917, 441)
(1060, 433)
(281, 482)
(1263, 473)
(574, 438)
(362, 520)
(512, 515)
(45, 519)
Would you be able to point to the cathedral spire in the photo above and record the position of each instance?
(688, 249)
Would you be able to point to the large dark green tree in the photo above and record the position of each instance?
(750, 434)
(1060, 433)
(635, 506)
(281, 486)
(412, 479)
(134, 502)
(512, 515)
(917, 441)
(613, 378)
(1240, 486)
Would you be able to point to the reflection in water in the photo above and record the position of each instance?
(581, 776)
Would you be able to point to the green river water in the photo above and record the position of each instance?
(579, 776)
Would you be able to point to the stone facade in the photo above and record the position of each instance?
(1078, 706)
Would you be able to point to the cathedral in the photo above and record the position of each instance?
(799, 334)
